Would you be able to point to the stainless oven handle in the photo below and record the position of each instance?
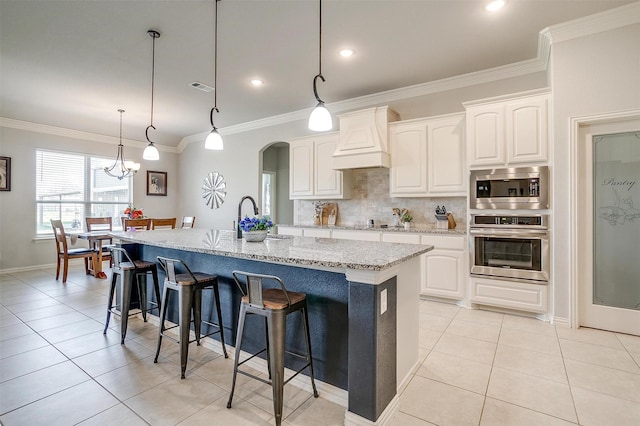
(510, 232)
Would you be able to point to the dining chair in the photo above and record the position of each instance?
(138, 224)
(64, 253)
(101, 224)
(164, 223)
(188, 221)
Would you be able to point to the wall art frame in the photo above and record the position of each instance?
(156, 183)
(5, 173)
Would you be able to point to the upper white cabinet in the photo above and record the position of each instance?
(428, 157)
(508, 131)
(311, 175)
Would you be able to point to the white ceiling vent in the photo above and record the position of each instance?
(201, 86)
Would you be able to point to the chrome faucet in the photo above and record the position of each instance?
(255, 211)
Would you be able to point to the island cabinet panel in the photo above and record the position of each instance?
(311, 175)
(444, 267)
(428, 157)
(509, 130)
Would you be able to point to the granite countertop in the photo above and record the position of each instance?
(297, 251)
(416, 229)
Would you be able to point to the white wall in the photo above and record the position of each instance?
(17, 207)
(591, 75)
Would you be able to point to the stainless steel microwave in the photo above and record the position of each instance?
(519, 188)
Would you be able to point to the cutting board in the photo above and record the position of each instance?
(329, 209)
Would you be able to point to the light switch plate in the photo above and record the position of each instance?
(383, 301)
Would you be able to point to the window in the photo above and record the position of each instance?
(71, 187)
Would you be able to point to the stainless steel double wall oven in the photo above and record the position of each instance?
(510, 246)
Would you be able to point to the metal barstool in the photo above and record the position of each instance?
(124, 273)
(189, 286)
(274, 304)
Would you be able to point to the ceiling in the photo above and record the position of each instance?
(73, 64)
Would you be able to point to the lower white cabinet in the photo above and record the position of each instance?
(346, 234)
(444, 270)
(317, 232)
(290, 230)
(508, 294)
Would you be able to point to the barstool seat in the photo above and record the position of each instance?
(124, 273)
(274, 304)
(189, 286)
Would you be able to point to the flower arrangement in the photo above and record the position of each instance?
(406, 217)
(133, 213)
(255, 224)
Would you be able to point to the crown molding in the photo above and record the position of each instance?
(538, 64)
(593, 24)
(76, 134)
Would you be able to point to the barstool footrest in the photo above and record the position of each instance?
(252, 356)
(268, 382)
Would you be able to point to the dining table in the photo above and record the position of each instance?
(96, 240)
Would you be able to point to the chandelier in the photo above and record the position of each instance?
(121, 168)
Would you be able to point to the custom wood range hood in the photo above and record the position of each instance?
(364, 139)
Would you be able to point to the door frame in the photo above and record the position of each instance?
(577, 133)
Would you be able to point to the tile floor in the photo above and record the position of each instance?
(477, 368)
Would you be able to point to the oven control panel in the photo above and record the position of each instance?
(514, 221)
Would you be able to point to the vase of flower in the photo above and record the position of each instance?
(255, 229)
(254, 236)
(406, 219)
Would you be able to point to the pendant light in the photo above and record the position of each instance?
(320, 118)
(120, 165)
(214, 140)
(151, 152)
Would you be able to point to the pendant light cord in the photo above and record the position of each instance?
(319, 76)
(320, 44)
(154, 35)
(215, 67)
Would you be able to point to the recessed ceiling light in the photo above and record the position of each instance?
(256, 82)
(346, 52)
(494, 5)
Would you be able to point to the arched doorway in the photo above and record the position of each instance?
(274, 183)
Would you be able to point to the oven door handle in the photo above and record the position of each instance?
(508, 232)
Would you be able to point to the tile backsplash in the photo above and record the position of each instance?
(370, 200)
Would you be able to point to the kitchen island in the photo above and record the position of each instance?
(362, 297)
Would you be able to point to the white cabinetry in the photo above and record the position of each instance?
(504, 131)
(444, 267)
(346, 234)
(290, 230)
(507, 294)
(428, 157)
(317, 232)
(311, 175)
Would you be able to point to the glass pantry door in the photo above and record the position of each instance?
(613, 302)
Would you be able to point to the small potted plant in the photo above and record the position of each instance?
(255, 229)
(406, 219)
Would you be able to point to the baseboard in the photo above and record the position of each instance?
(561, 322)
(35, 267)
